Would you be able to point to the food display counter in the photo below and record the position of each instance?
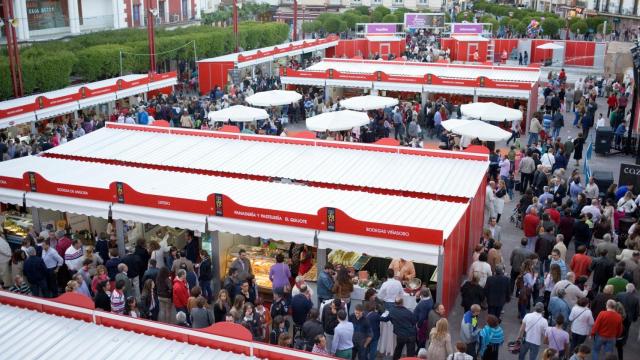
(16, 227)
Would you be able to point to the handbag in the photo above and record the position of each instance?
(514, 346)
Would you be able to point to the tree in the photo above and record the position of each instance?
(579, 27)
(601, 27)
(334, 25)
(311, 26)
(350, 18)
(514, 24)
(505, 20)
(362, 10)
(379, 13)
(550, 27)
(389, 18)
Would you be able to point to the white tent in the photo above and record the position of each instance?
(489, 111)
(274, 98)
(479, 129)
(368, 102)
(238, 113)
(337, 120)
(550, 46)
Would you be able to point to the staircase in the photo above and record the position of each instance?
(490, 51)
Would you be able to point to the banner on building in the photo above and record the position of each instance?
(423, 21)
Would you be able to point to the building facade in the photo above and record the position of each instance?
(43, 19)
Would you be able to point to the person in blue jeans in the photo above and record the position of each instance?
(606, 329)
(533, 328)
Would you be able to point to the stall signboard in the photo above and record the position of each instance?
(380, 28)
(630, 175)
(466, 28)
(423, 20)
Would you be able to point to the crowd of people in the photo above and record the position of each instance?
(424, 46)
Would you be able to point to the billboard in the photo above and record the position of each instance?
(380, 28)
(466, 28)
(422, 20)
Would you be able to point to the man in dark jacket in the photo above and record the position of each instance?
(404, 327)
(497, 291)
(191, 248)
(629, 300)
(133, 265)
(36, 273)
(141, 252)
(602, 269)
(330, 319)
(544, 245)
(300, 307)
(205, 276)
(362, 333)
(421, 312)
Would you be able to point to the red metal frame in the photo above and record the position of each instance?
(151, 36)
(13, 49)
(295, 20)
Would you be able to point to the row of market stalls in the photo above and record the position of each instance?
(459, 83)
(237, 190)
(30, 109)
(221, 70)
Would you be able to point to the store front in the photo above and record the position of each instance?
(226, 212)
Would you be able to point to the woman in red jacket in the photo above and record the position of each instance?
(181, 292)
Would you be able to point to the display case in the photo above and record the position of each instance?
(261, 258)
(16, 227)
(348, 259)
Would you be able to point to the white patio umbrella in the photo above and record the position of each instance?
(238, 113)
(337, 120)
(550, 46)
(368, 102)
(489, 111)
(453, 123)
(481, 130)
(273, 98)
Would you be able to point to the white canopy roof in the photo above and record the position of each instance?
(337, 120)
(65, 338)
(479, 129)
(489, 111)
(368, 102)
(324, 164)
(238, 113)
(453, 123)
(453, 71)
(367, 207)
(550, 46)
(274, 98)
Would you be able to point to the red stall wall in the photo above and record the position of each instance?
(579, 53)
(448, 43)
(538, 55)
(454, 264)
(462, 50)
(396, 48)
(331, 52)
(211, 74)
(504, 44)
(351, 48)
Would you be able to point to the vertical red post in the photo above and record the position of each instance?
(13, 49)
(295, 20)
(235, 23)
(151, 35)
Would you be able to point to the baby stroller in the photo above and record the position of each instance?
(516, 217)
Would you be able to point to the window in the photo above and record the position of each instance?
(376, 2)
(398, 2)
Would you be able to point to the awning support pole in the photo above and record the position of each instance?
(120, 237)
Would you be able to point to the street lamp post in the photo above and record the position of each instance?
(235, 23)
(151, 35)
(13, 49)
(295, 20)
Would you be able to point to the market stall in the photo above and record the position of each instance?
(222, 196)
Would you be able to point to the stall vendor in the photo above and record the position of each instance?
(404, 270)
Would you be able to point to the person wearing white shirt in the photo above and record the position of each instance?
(480, 269)
(600, 123)
(52, 260)
(627, 203)
(533, 328)
(390, 289)
(74, 256)
(581, 320)
(548, 159)
(593, 209)
(489, 201)
(591, 190)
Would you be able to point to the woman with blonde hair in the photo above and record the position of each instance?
(95, 259)
(439, 341)
(627, 204)
(100, 276)
(500, 197)
(72, 286)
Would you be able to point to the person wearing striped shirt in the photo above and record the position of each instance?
(20, 286)
(117, 298)
(74, 256)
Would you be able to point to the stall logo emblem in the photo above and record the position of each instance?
(32, 181)
(379, 75)
(481, 81)
(284, 71)
(83, 92)
(41, 102)
(218, 200)
(330, 73)
(331, 219)
(429, 79)
(119, 83)
(120, 192)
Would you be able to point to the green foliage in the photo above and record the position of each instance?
(311, 26)
(379, 13)
(49, 65)
(389, 18)
(335, 25)
(351, 18)
(550, 26)
(579, 27)
(601, 27)
(362, 10)
(487, 18)
(514, 24)
(504, 21)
